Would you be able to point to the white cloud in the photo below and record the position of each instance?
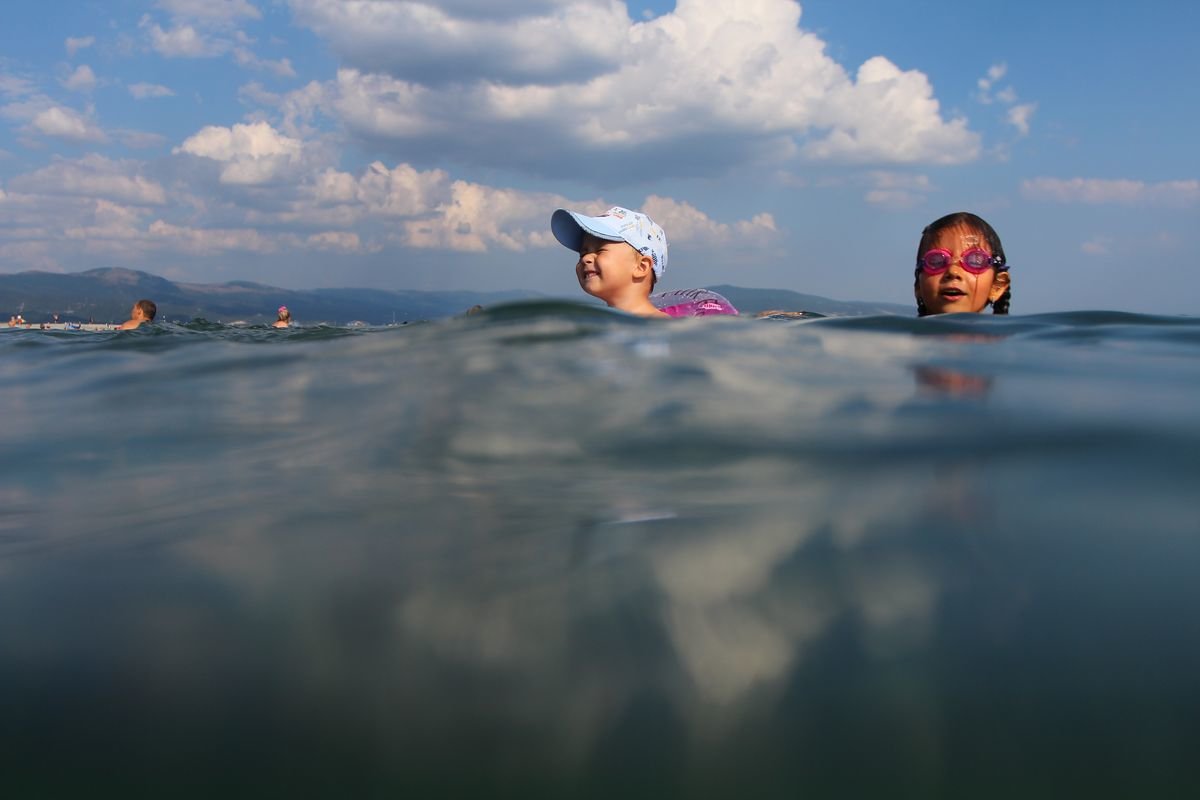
(64, 123)
(75, 44)
(44, 231)
(210, 10)
(139, 140)
(81, 80)
(341, 241)
(205, 29)
(706, 87)
(297, 109)
(43, 117)
(897, 189)
(684, 222)
(245, 58)
(436, 212)
(12, 86)
(478, 217)
(890, 116)
(400, 192)
(256, 140)
(182, 41)
(109, 222)
(104, 205)
(1097, 247)
(985, 84)
(1100, 191)
(1019, 117)
(145, 91)
(430, 210)
(212, 241)
(41, 230)
(252, 154)
(93, 176)
(451, 41)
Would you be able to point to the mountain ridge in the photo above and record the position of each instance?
(105, 294)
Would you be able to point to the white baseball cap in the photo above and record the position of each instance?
(615, 225)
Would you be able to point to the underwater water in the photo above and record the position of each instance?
(550, 550)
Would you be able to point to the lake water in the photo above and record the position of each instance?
(552, 551)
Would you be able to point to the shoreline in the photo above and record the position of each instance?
(62, 326)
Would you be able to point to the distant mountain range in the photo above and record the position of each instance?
(104, 295)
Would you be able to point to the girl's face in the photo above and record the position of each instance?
(956, 289)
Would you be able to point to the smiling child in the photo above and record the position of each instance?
(622, 254)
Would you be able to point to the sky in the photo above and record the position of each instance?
(425, 145)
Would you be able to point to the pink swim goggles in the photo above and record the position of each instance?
(976, 261)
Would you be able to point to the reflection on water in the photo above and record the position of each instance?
(952, 382)
(551, 550)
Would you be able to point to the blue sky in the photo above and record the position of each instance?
(307, 143)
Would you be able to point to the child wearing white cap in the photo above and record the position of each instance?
(622, 254)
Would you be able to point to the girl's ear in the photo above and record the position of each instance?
(1000, 285)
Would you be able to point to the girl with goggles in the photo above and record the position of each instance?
(961, 267)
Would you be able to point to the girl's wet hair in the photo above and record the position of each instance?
(968, 220)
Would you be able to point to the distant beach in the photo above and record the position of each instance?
(62, 326)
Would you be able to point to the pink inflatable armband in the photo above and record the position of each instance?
(692, 303)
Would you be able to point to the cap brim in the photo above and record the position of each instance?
(569, 228)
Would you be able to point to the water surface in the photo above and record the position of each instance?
(552, 550)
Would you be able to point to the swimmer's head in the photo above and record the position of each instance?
(615, 225)
(958, 287)
(146, 308)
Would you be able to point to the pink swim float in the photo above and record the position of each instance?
(692, 303)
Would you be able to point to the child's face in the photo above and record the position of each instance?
(606, 268)
(957, 289)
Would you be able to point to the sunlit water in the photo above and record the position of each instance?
(550, 550)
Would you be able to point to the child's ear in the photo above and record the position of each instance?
(644, 267)
(1000, 285)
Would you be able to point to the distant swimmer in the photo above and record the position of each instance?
(143, 311)
(961, 267)
(284, 319)
(622, 254)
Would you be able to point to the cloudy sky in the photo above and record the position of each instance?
(415, 145)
